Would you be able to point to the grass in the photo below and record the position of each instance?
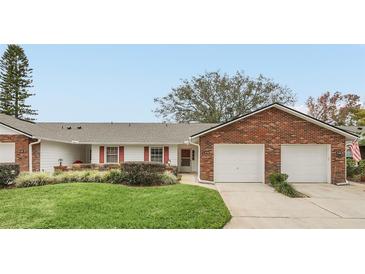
(95, 205)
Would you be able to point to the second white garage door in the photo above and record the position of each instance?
(238, 163)
(305, 163)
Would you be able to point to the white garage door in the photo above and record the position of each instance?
(305, 163)
(7, 152)
(238, 163)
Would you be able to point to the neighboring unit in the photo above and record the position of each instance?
(246, 149)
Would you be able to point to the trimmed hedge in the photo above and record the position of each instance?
(112, 177)
(143, 173)
(8, 173)
(280, 184)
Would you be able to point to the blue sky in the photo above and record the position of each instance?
(119, 82)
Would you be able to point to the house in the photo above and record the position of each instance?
(245, 149)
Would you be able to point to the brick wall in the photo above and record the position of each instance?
(272, 127)
(36, 152)
(22, 150)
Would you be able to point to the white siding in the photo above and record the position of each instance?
(7, 131)
(173, 154)
(95, 154)
(133, 153)
(52, 151)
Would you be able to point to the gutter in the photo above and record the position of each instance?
(30, 154)
(199, 179)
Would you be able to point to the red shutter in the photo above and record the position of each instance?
(121, 154)
(101, 154)
(166, 154)
(146, 154)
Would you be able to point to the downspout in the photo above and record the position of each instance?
(30, 154)
(199, 179)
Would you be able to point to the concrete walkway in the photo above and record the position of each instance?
(191, 179)
(255, 205)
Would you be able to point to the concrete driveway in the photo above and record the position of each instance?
(255, 205)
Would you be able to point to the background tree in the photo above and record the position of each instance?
(214, 97)
(335, 109)
(359, 117)
(15, 82)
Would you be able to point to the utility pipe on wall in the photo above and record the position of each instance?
(200, 180)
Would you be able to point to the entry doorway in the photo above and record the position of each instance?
(185, 160)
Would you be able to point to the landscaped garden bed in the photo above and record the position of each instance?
(279, 182)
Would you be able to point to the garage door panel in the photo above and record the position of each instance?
(305, 163)
(7, 152)
(238, 163)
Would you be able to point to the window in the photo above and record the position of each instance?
(112, 154)
(157, 154)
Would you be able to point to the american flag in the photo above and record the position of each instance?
(355, 151)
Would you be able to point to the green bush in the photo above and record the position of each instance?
(34, 179)
(168, 178)
(278, 178)
(8, 173)
(137, 175)
(355, 169)
(280, 184)
(115, 176)
(143, 173)
(42, 178)
(143, 166)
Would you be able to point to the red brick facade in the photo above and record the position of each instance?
(22, 150)
(273, 127)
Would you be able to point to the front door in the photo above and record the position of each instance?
(185, 160)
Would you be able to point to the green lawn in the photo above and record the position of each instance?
(93, 205)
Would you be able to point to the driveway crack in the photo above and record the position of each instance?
(326, 209)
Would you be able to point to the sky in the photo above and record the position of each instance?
(103, 83)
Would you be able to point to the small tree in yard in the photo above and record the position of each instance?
(15, 82)
(214, 97)
(336, 109)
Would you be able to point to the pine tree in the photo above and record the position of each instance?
(15, 82)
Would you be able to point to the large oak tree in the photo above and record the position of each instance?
(214, 97)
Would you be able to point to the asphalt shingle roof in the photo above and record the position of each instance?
(118, 133)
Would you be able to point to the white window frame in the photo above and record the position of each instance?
(163, 153)
(106, 155)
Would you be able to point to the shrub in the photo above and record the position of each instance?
(8, 173)
(167, 178)
(144, 166)
(115, 176)
(81, 176)
(280, 184)
(355, 169)
(278, 178)
(143, 173)
(34, 179)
